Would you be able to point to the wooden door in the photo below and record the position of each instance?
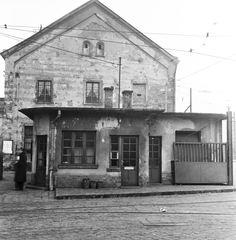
(155, 159)
(129, 161)
(41, 160)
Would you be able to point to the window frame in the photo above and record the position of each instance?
(87, 92)
(100, 52)
(84, 147)
(120, 151)
(112, 151)
(28, 141)
(86, 50)
(38, 94)
(100, 92)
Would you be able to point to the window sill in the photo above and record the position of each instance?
(75, 166)
(113, 170)
(42, 102)
(93, 103)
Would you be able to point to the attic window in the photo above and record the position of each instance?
(100, 49)
(86, 47)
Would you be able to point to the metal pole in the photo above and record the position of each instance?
(119, 81)
(230, 148)
(190, 99)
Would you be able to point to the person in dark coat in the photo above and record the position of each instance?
(20, 171)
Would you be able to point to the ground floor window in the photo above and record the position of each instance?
(78, 147)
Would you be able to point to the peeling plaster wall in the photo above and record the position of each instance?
(104, 127)
(138, 125)
(211, 131)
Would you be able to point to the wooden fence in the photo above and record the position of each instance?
(199, 152)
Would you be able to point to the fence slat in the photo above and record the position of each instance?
(199, 152)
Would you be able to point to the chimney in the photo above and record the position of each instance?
(127, 98)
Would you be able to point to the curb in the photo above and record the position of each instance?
(139, 194)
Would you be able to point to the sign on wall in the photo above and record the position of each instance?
(7, 147)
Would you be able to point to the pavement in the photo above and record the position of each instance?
(7, 184)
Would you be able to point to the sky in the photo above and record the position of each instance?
(200, 33)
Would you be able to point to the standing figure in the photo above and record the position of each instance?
(20, 171)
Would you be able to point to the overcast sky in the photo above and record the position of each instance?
(201, 33)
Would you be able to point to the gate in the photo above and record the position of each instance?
(200, 163)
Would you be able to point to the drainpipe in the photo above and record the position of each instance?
(51, 168)
(58, 116)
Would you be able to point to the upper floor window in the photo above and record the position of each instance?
(139, 93)
(44, 91)
(100, 49)
(86, 47)
(92, 92)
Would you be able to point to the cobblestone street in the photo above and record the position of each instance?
(35, 214)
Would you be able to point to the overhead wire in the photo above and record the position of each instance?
(6, 26)
(112, 62)
(228, 58)
(179, 79)
(141, 45)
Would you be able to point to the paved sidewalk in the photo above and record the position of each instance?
(160, 189)
(7, 184)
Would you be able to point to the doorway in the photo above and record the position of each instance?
(41, 160)
(155, 159)
(129, 161)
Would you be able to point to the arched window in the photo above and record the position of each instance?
(100, 49)
(86, 47)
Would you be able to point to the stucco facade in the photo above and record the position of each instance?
(139, 123)
(93, 81)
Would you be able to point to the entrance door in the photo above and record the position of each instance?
(41, 160)
(129, 161)
(154, 159)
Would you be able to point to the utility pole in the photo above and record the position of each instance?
(229, 148)
(119, 81)
(190, 106)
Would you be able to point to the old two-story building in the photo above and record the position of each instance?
(95, 98)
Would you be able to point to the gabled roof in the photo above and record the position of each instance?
(76, 12)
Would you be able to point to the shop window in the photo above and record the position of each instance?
(100, 49)
(78, 148)
(92, 92)
(86, 47)
(44, 91)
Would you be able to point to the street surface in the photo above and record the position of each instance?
(35, 214)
